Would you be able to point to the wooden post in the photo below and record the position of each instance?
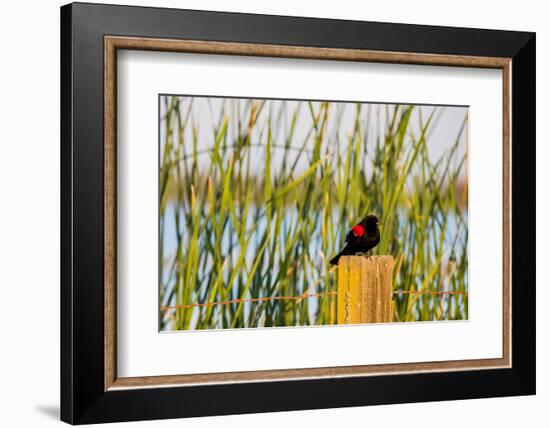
(365, 289)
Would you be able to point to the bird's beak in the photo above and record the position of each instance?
(380, 224)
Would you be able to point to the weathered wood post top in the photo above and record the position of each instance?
(365, 289)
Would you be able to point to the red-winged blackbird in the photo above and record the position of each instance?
(361, 238)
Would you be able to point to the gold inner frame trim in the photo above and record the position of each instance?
(113, 43)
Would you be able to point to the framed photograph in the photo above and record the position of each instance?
(265, 213)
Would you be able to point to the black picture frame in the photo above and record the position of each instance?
(83, 397)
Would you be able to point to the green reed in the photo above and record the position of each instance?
(255, 211)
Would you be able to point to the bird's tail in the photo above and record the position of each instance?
(334, 260)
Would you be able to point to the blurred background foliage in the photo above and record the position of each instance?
(257, 195)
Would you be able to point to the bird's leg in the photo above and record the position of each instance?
(361, 254)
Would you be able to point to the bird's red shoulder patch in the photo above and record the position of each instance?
(358, 231)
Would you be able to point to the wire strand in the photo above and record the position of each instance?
(297, 298)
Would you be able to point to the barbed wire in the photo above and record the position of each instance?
(296, 298)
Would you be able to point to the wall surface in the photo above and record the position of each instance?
(29, 215)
